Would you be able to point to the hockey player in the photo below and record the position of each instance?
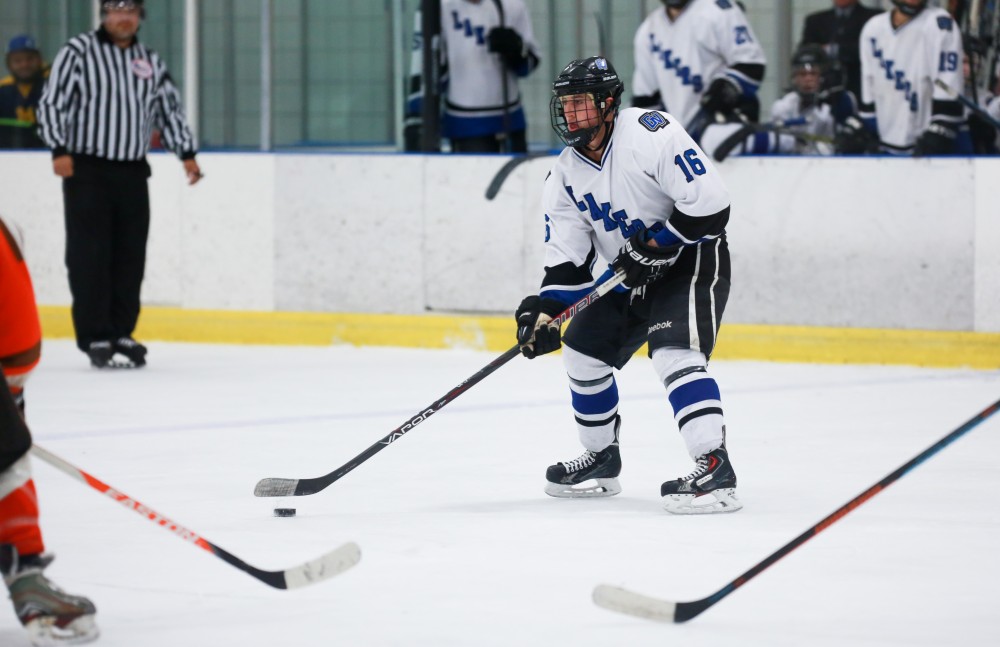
(634, 189)
(486, 46)
(50, 615)
(697, 58)
(818, 117)
(904, 52)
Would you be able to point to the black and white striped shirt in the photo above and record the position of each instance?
(103, 100)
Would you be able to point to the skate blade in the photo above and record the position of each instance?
(721, 500)
(43, 632)
(589, 489)
(116, 364)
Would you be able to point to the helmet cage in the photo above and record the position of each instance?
(580, 136)
(594, 77)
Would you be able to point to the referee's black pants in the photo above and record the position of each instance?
(107, 224)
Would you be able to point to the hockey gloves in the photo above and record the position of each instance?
(642, 262)
(936, 140)
(853, 138)
(508, 44)
(534, 334)
(723, 95)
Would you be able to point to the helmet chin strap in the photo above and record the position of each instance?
(604, 139)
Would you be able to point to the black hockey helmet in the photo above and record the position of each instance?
(675, 4)
(909, 9)
(594, 76)
(810, 56)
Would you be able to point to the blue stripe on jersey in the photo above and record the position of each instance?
(748, 87)
(664, 237)
(605, 401)
(568, 297)
(457, 126)
(693, 393)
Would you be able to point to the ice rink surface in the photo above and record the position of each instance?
(460, 546)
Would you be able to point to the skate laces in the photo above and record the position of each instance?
(701, 467)
(586, 459)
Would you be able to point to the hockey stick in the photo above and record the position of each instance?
(624, 601)
(302, 487)
(723, 150)
(494, 188)
(317, 570)
(968, 103)
(505, 144)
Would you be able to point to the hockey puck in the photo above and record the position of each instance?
(284, 512)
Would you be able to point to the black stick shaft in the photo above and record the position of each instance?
(305, 487)
(688, 610)
(505, 143)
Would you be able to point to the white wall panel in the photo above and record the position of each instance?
(857, 242)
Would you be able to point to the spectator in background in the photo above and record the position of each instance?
(902, 71)
(98, 126)
(486, 46)
(20, 92)
(49, 615)
(838, 30)
(696, 59)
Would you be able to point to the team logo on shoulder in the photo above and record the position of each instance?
(653, 121)
(944, 23)
(142, 69)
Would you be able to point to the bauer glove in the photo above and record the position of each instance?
(642, 262)
(535, 335)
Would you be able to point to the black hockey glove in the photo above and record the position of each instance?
(534, 334)
(854, 139)
(936, 140)
(722, 95)
(508, 44)
(643, 263)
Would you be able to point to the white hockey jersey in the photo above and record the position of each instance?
(680, 59)
(898, 72)
(816, 119)
(474, 96)
(652, 176)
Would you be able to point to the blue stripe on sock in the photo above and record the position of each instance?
(693, 393)
(603, 402)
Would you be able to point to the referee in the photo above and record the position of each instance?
(105, 94)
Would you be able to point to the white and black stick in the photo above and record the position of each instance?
(968, 103)
(317, 570)
(635, 604)
(301, 487)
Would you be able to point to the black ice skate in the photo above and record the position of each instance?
(593, 474)
(711, 487)
(100, 354)
(50, 615)
(132, 350)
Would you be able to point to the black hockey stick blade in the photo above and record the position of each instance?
(497, 182)
(615, 598)
(269, 487)
(333, 563)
